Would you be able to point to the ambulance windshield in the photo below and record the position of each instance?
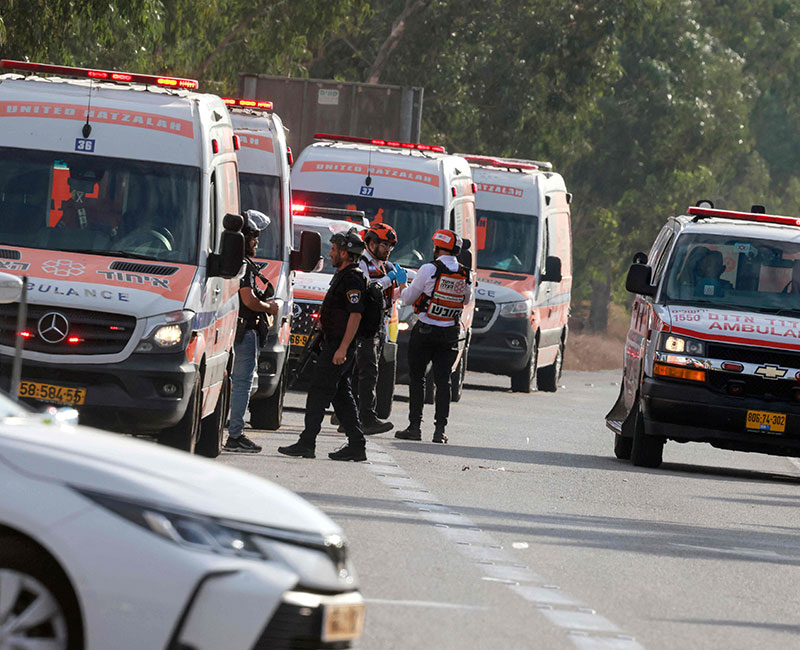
(263, 193)
(96, 205)
(415, 223)
(506, 241)
(734, 273)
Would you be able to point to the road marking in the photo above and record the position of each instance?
(794, 461)
(586, 629)
(422, 603)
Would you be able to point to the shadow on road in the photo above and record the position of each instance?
(774, 627)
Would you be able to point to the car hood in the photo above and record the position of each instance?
(126, 467)
(737, 327)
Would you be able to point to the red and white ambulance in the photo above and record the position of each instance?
(524, 249)
(114, 191)
(713, 350)
(416, 188)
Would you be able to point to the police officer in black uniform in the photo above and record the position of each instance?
(340, 316)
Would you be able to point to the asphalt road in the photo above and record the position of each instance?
(526, 532)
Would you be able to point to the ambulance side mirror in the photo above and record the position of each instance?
(10, 288)
(552, 269)
(307, 257)
(465, 256)
(228, 261)
(638, 280)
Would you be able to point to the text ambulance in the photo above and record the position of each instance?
(713, 350)
(113, 204)
(415, 188)
(524, 249)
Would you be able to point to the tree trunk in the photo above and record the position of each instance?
(391, 42)
(598, 309)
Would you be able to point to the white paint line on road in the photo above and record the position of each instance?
(586, 629)
(422, 603)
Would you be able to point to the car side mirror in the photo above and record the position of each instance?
(10, 288)
(228, 261)
(639, 258)
(307, 257)
(552, 269)
(465, 256)
(638, 280)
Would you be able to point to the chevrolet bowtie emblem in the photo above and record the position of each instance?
(771, 372)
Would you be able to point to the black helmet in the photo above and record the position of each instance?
(255, 222)
(350, 241)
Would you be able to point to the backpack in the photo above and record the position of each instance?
(374, 308)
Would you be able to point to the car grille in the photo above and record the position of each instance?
(294, 628)
(766, 389)
(484, 310)
(96, 332)
(753, 355)
(302, 316)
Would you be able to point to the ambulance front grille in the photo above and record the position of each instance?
(303, 320)
(753, 355)
(484, 310)
(85, 332)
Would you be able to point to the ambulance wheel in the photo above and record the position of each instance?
(384, 391)
(524, 381)
(267, 413)
(184, 434)
(646, 451)
(457, 378)
(622, 447)
(549, 375)
(430, 388)
(212, 428)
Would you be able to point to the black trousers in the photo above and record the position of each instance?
(330, 384)
(439, 346)
(368, 352)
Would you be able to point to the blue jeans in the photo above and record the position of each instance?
(244, 365)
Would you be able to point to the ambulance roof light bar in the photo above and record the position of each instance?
(101, 75)
(702, 212)
(380, 143)
(489, 161)
(255, 104)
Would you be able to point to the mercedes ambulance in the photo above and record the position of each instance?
(415, 188)
(713, 350)
(119, 204)
(524, 249)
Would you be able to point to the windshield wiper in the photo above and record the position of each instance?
(94, 251)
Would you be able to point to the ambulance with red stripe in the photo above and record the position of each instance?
(524, 249)
(119, 204)
(415, 188)
(713, 350)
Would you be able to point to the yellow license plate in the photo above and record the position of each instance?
(343, 622)
(52, 393)
(766, 421)
(299, 340)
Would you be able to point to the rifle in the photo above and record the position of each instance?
(309, 354)
(263, 320)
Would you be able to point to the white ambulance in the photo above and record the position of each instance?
(415, 188)
(524, 249)
(114, 191)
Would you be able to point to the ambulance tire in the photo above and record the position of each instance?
(547, 379)
(622, 447)
(525, 380)
(430, 388)
(267, 413)
(184, 434)
(457, 378)
(384, 391)
(212, 428)
(646, 451)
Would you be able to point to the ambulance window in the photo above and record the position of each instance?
(212, 212)
(452, 223)
(662, 259)
(263, 193)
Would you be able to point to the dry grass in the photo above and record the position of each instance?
(587, 351)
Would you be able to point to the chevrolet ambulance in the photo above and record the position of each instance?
(713, 350)
(524, 249)
(119, 205)
(415, 188)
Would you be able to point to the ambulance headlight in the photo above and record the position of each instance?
(168, 336)
(167, 332)
(681, 344)
(516, 309)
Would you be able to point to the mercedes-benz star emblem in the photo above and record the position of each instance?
(296, 310)
(53, 327)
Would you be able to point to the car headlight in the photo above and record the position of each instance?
(516, 309)
(680, 344)
(167, 332)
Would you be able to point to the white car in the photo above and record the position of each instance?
(109, 542)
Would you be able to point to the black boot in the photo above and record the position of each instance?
(438, 435)
(298, 450)
(349, 453)
(371, 427)
(411, 432)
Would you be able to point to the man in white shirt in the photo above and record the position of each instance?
(438, 292)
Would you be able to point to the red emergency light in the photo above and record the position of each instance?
(248, 103)
(298, 207)
(381, 143)
(103, 75)
(745, 216)
(489, 161)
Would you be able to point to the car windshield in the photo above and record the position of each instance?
(325, 230)
(506, 241)
(105, 206)
(735, 273)
(263, 193)
(415, 223)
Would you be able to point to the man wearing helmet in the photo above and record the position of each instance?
(439, 292)
(253, 304)
(340, 316)
(379, 239)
